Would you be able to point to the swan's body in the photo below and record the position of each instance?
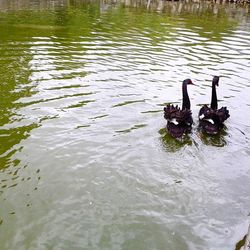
(211, 119)
(179, 120)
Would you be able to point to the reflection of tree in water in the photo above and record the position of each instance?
(72, 21)
(15, 54)
(76, 25)
(28, 4)
(79, 16)
(210, 17)
(14, 81)
(17, 36)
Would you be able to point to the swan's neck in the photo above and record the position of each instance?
(214, 104)
(185, 97)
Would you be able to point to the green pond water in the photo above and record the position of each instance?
(85, 160)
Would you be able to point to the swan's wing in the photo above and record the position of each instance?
(222, 114)
(170, 112)
(203, 112)
(184, 117)
(177, 116)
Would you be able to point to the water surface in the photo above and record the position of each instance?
(86, 162)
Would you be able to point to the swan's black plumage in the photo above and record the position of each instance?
(211, 119)
(179, 120)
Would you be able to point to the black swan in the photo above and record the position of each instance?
(179, 120)
(211, 119)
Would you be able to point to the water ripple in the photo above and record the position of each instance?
(83, 138)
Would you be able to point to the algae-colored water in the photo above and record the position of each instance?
(85, 159)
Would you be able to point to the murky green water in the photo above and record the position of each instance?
(85, 160)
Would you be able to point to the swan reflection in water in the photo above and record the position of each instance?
(171, 144)
(218, 140)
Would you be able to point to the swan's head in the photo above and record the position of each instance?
(188, 81)
(216, 80)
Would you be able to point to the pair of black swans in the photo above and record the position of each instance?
(211, 119)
